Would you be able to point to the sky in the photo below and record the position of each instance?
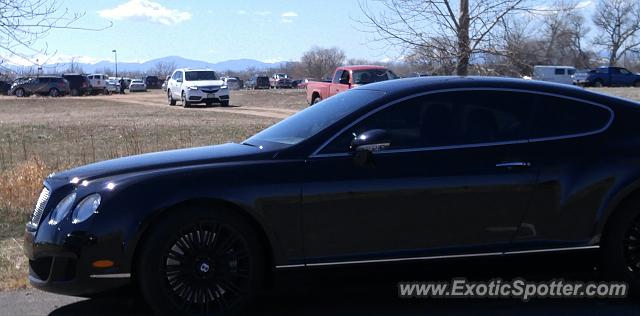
(213, 30)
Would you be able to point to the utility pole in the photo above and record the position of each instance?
(116, 55)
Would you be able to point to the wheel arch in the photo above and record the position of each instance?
(266, 240)
(629, 194)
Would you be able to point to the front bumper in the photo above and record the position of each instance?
(61, 262)
(201, 96)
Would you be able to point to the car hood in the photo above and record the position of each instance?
(161, 160)
(204, 83)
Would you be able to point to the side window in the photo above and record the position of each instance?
(345, 77)
(559, 71)
(337, 76)
(447, 119)
(624, 71)
(615, 71)
(556, 117)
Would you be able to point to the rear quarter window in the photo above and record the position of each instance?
(561, 117)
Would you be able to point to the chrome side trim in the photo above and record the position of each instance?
(111, 276)
(337, 263)
(403, 259)
(552, 250)
(291, 266)
(316, 154)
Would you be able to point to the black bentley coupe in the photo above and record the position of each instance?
(410, 169)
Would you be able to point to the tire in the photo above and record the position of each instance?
(54, 92)
(226, 262)
(185, 103)
(598, 84)
(316, 100)
(170, 98)
(637, 84)
(620, 255)
(20, 93)
(224, 103)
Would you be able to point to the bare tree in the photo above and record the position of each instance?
(429, 27)
(619, 24)
(563, 30)
(321, 62)
(163, 68)
(24, 22)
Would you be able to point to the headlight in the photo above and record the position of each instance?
(62, 209)
(193, 88)
(224, 87)
(87, 207)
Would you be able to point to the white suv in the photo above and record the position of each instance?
(98, 82)
(192, 86)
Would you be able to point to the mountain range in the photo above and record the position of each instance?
(180, 62)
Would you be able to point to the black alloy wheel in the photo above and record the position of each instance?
(198, 263)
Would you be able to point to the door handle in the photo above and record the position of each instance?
(514, 164)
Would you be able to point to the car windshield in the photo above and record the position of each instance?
(200, 75)
(312, 120)
(372, 75)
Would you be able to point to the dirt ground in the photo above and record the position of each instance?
(73, 130)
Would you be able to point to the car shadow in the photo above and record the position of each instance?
(372, 290)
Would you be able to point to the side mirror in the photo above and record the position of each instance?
(179, 80)
(364, 145)
(344, 81)
(371, 140)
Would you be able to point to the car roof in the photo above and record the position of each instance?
(195, 69)
(416, 85)
(361, 67)
(550, 66)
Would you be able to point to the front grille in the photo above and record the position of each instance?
(209, 91)
(37, 213)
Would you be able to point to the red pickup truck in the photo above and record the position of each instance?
(346, 78)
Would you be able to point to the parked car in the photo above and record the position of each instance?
(346, 78)
(580, 77)
(98, 83)
(557, 74)
(440, 167)
(151, 82)
(164, 84)
(44, 85)
(192, 86)
(78, 84)
(5, 86)
(232, 82)
(279, 81)
(137, 85)
(113, 86)
(612, 77)
(258, 82)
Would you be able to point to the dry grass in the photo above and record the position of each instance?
(13, 265)
(19, 187)
(42, 135)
